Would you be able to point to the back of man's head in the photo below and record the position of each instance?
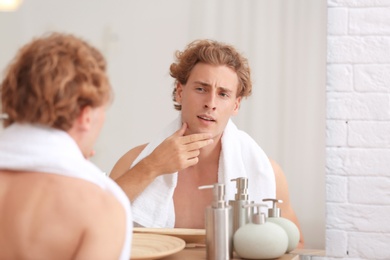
(51, 79)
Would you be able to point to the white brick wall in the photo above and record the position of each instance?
(358, 130)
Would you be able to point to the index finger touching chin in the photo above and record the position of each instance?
(197, 137)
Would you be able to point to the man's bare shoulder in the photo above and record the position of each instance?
(87, 201)
(124, 163)
(90, 194)
(57, 210)
(102, 217)
(64, 192)
(276, 167)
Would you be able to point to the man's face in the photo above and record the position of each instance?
(208, 99)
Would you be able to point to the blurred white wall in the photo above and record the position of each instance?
(283, 40)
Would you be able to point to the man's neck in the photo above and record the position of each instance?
(210, 153)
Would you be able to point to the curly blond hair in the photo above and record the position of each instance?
(213, 53)
(52, 79)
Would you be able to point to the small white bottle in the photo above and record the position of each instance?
(219, 225)
(274, 215)
(260, 239)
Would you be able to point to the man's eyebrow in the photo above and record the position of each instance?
(205, 84)
(202, 83)
(225, 89)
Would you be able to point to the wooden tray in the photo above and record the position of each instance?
(154, 246)
(187, 234)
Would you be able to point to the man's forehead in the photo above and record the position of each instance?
(206, 74)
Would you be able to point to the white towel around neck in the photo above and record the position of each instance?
(241, 156)
(25, 147)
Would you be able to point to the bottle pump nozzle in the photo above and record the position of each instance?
(274, 211)
(242, 188)
(258, 217)
(218, 194)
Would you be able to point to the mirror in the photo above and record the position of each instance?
(284, 41)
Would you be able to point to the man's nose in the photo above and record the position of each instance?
(211, 101)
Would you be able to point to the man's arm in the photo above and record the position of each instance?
(132, 181)
(283, 194)
(175, 153)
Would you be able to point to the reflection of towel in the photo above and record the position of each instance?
(240, 157)
(26, 147)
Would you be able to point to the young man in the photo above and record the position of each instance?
(201, 147)
(54, 203)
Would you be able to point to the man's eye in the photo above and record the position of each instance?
(224, 95)
(200, 89)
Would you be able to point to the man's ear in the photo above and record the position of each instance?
(237, 105)
(179, 91)
(84, 120)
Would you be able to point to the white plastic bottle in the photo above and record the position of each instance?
(274, 215)
(260, 239)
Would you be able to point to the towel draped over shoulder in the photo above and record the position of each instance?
(25, 147)
(241, 156)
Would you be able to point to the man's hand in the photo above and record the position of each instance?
(177, 152)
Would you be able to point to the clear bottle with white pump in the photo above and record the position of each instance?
(219, 226)
(260, 239)
(241, 215)
(274, 215)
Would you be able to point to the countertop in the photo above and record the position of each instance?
(200, 254)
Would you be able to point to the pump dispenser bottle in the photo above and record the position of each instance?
(219, 226)
(274, 215)
(260, 239)
(241, 215)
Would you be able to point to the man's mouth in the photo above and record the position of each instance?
(207, 118)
